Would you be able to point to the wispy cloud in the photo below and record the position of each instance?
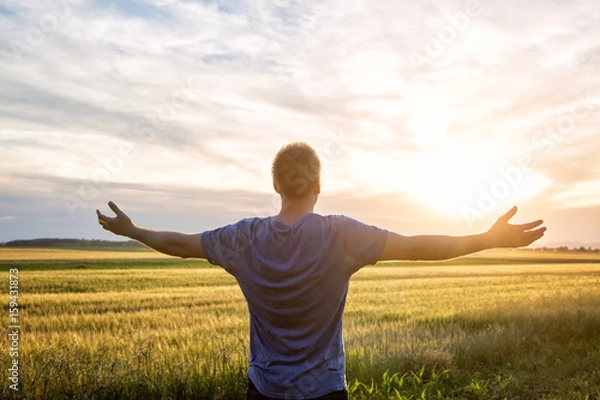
(401, 99)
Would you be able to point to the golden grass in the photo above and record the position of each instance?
(535, 254)
(62, 254)
(55, 254)
(182, 332)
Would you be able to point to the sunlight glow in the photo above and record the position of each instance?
(460, 180)
(443, 178)
(583, 194)
(455, 180)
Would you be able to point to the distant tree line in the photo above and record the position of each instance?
(55, 242)
(566, 248)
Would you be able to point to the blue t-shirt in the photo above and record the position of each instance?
(295, 280)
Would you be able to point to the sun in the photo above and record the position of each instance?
(446, 178)
(455, 180)
(469, 181)
(457, 175)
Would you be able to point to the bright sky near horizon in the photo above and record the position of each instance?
(429, 117)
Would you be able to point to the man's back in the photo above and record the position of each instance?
(295, 276)
(295, 280)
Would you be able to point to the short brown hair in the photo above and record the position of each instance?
(295, 169)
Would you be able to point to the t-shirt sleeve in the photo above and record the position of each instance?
(363, 243)
(225, 246)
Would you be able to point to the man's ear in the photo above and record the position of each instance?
(317, 188)
(276, 187)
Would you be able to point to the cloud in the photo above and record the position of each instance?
(166, 99)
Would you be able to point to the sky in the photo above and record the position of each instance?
(429, 117)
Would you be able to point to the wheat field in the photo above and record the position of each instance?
(495, 326)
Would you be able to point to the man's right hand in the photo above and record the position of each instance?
(503, 234)
(119, 225)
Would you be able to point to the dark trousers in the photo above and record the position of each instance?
(252, 393)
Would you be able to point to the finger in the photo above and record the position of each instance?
(101, 217)
(511, 213)
(532, 236)
(538, 233)
(530, 225)
(115, 209)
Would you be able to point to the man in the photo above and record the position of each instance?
(294, 269)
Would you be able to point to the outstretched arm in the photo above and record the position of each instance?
(172, 243)
(441, 247)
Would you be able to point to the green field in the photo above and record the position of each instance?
(499, 325)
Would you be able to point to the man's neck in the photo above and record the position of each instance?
(293, 210)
